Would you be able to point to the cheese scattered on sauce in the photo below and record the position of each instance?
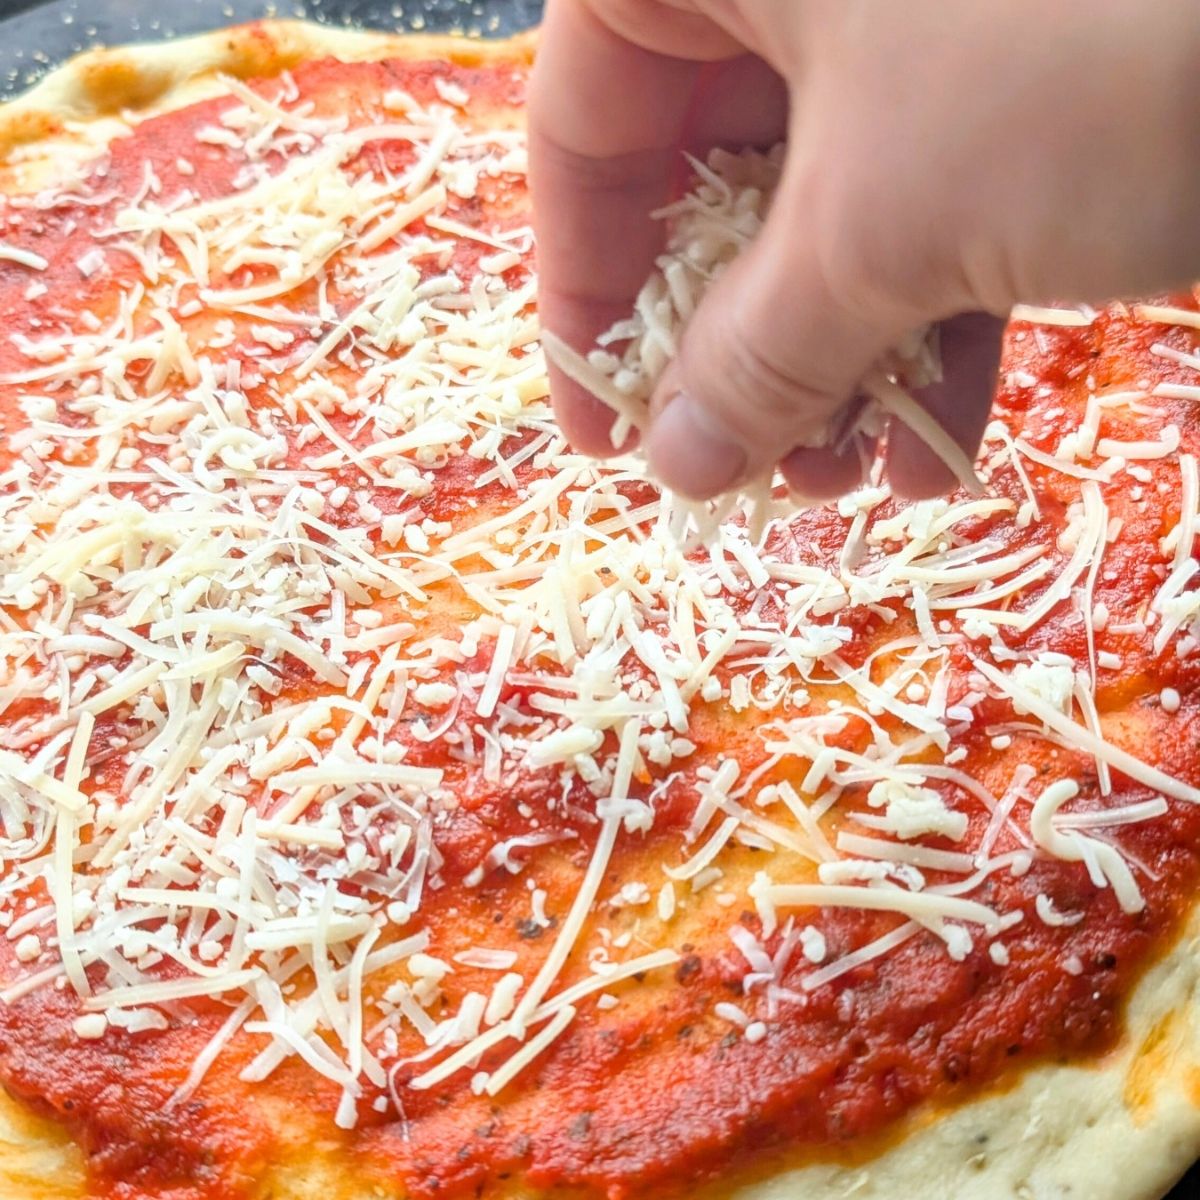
(235, 638)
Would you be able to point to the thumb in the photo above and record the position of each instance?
(770, 358)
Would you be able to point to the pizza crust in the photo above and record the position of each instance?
(71, 114)
(38, 1160)
(1124, 1128)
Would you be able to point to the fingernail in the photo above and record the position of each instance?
(690, 451)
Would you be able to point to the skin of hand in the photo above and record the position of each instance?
(945, 160)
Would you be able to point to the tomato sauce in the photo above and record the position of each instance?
(655, 1096)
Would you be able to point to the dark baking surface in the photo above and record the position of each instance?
(36, 35)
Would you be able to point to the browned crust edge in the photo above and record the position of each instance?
(155, 77)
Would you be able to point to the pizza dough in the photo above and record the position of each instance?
(1120, 1124)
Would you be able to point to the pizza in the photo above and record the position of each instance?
(399, 805)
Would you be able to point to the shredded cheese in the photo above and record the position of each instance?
(253, 664)
(706, 230)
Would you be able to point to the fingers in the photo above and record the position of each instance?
(740, 102)
(824, 473)
(817, 475)
(606, 119)
(777, 347)
(960, 402)
(769, 358)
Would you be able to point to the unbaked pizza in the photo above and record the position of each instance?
(396, 804)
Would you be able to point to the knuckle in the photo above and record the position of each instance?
(992, 278)
(876, 274)
(757, 391)
(594, 170)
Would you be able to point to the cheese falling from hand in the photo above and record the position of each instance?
(706, 230)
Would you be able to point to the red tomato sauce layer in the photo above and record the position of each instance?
(653, 1098)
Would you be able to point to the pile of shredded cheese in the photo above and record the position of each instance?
(706, 230)
(200, 510)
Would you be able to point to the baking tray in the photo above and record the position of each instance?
(37, 35)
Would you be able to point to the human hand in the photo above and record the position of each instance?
(944, 162)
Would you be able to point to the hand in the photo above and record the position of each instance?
(945, 161)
